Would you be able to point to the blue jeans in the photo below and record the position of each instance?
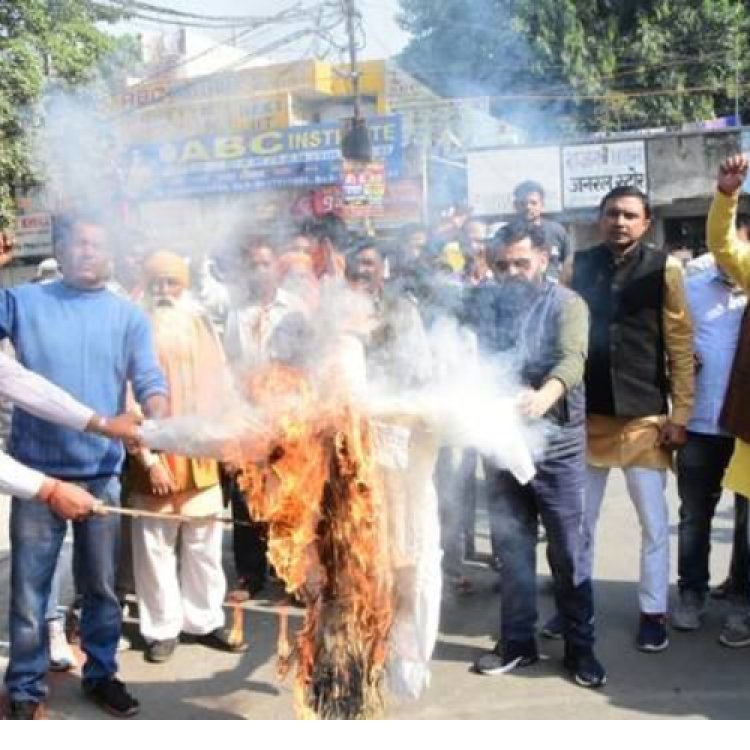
(36, 535)
(556, 495)
(701, 463)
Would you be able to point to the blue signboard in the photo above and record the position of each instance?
(248, 162)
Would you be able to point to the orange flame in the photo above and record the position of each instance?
(315, 484)
(237, 632)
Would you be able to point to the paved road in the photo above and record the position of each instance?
(695, 677)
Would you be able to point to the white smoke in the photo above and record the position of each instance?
(467, 400)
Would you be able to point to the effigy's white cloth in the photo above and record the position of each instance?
(407, 460)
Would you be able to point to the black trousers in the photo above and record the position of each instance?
(249, 543)
(701, 464)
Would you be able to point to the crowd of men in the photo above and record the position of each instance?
(633, 362)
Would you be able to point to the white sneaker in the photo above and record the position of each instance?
(61, 657)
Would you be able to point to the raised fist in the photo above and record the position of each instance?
(732, 174)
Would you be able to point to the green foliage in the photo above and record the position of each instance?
(561, 66)
(44, 45)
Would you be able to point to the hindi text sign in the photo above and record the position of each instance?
(591, 170)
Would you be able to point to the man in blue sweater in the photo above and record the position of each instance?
(89, 341)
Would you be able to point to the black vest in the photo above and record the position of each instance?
(626, 367)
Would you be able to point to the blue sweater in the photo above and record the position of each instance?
(91, 343)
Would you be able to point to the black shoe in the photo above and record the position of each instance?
(652, 633)
(111, 695)
(157, 652)
(24, 710)
(586, 669)
(507, 657)
(218, 639)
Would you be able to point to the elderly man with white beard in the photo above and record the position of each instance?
(186, 595)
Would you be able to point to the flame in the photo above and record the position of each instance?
(237, 632)
(283, 648)
(314, 482)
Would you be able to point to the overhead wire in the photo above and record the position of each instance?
(188, 22)
(242, 35)
(230, 67)
(186, 14)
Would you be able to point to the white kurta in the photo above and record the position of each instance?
(41, 398)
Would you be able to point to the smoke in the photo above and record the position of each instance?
(386, 364)
(75, 152)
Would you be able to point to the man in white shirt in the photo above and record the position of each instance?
(41, 398)
(716, 307)
(247, 337)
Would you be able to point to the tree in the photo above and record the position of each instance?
(44, 44)
(558, 66)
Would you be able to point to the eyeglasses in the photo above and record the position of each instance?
(521, 264)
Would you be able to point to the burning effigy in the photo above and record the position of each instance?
(314, 482)
(339, 465)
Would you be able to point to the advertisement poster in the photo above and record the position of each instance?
(249, 162)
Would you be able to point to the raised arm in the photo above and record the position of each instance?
(731, 255)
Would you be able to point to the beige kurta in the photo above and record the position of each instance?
(193, 363)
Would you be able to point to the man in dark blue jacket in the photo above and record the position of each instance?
(543, 328)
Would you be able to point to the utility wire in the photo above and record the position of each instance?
(294, 14)
(289, 38)
(242, 35)
(126, 4)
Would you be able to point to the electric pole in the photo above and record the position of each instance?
(355, 144)
(351, 12)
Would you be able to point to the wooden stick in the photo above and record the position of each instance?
(102, 509)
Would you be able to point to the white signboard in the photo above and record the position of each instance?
(493, 175)
(33, 235)
(590, 171)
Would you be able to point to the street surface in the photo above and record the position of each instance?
(694, 678)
